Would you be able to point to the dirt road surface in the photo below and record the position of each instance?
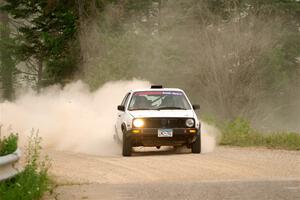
(226, 173)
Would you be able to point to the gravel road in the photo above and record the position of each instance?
(226, 173)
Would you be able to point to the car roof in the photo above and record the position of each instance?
(157, 89)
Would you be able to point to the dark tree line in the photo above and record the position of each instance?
(39, 39)
(40, 36)
(7, 69)
(45, 42)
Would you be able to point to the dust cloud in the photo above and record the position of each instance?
(69, 119)
(209, 137)
(75, 119)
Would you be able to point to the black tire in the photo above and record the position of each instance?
(196, 146)
(127, 148)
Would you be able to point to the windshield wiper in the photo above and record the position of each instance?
(171, 108)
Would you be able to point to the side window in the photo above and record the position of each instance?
(125, 100)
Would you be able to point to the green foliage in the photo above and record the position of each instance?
(290, 141)
(276, 76)
(239, 133)
(133, 6)
(226, 8)
(8, 144)
(231, 68)
(7, 64)
(115, 63)
(275, 7)
(33, 182)
(61, 68)
(46, 31)
(29, 185)
(238, 54)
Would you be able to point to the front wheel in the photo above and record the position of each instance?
(127, 148)
(196, 146)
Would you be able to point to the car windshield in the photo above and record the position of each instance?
(159, 100)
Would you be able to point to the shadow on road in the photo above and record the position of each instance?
(163, 151)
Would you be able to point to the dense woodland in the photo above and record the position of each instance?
(237, 58)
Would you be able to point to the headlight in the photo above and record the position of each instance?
(189, 123)
(138, 123)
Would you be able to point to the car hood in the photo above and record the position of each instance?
(162, 113)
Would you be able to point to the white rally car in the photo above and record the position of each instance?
(157, 117)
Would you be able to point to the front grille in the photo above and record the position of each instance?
(164, 122)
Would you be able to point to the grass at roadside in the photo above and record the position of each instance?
(8, 144)
(33, 181)
(240, 133)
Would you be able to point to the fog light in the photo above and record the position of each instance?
(193, 131)
(136, 131)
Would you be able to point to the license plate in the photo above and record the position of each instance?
(165, 133)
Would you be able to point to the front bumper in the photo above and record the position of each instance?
(149, 137)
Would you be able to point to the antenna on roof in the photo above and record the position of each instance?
(156, 86)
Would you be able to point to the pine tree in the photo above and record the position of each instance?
(46, 31)
(7, 66)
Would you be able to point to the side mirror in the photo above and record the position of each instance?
(121, 108)
(196, 107)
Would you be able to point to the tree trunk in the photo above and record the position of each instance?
(7, 65)
(40, 74)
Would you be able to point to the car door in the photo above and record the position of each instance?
(121, 115)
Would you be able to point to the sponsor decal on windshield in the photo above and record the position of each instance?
(158, 93)
(147, 93)
(173, 93)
